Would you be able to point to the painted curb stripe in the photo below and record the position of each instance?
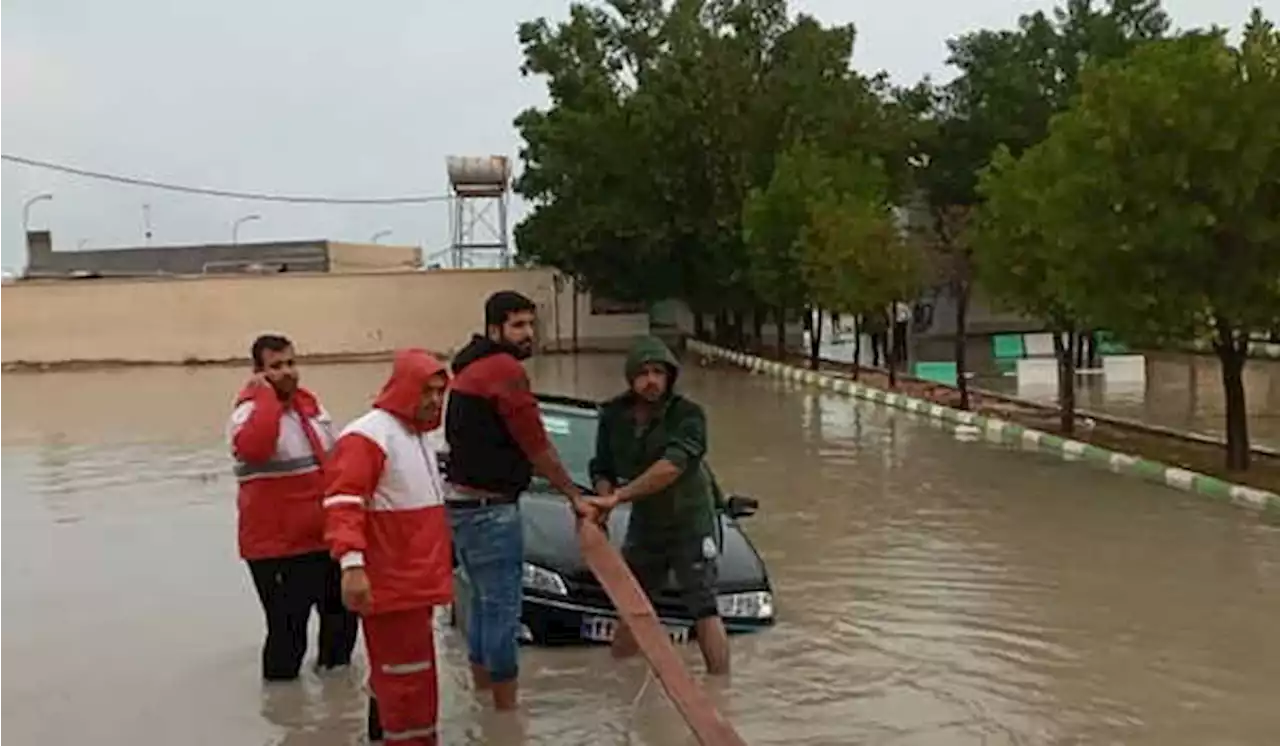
(1002, 431)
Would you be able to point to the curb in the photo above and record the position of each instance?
(1001, 431)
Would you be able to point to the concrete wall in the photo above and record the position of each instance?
(197, 319)
(44, 261)
(366, 257)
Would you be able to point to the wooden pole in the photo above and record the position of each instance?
(706, 722)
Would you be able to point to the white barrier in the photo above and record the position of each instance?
(1124, 369)
(1038, 345)
(1037, 377)
(1038, 371)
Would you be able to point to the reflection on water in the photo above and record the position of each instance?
(1180, 391)
(929, 592)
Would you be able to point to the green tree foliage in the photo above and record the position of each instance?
(581, 165)
(852, 253)
(1010, 83)
(775, 217)
(1025, 264)
(663, 118)
(1151, 207)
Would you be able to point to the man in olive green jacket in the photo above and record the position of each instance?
(649, 452)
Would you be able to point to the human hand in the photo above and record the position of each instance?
(357, 595)
(258, 379)
(583, 509)
(604, 504)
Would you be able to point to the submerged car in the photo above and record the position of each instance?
(563, 601)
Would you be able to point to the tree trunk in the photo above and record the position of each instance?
(575, 315)
(857, 346)
(739, 329)
(780, 319)
(757, 328)
(722, 327)
(891, 345)
(962, 339)
(1232, 354)
(1064, 351)
(558, 285)
(815, 338)
(700, 326)
(1193, 385)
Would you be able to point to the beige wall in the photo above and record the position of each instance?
(202, 319)
(366, 257)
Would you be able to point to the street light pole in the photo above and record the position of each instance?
(235, 227)
(380, 234)
(26, 207)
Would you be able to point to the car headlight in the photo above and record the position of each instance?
(541, 579)
(750, 605)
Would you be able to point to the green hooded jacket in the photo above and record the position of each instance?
(677, 432)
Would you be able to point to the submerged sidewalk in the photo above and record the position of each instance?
(988, 402)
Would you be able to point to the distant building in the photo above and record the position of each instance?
(317, 255)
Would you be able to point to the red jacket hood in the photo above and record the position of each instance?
(402, 393)
(304, 402)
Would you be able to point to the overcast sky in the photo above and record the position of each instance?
(334, 98)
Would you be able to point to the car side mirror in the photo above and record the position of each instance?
(741, 506)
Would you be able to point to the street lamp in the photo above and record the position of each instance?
(235, 227)
(380, 234)
(26, 207)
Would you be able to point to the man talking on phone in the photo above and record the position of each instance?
(280, 438)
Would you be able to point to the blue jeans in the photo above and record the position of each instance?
(490, 546)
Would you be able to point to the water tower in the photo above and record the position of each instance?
(478, 221)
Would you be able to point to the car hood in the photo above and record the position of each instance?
(550, 541)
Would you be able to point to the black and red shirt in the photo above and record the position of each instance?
(493, 425)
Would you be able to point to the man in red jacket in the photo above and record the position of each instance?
(280, 437)
(386, 525)
(497, 442)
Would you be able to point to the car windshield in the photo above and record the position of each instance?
(573, 431)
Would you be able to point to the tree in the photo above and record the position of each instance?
(1151, 207)
(1011, 83)
(1025, 264)
(773, 219)
(663, 118)
(806, 88)
(853, 254)
(776, 217)
(578, 173)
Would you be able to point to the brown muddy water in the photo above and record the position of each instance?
(1181, 391)
(929, 592)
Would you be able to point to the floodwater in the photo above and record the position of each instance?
(929, 592)
(1181, 391)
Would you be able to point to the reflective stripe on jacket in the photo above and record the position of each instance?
(384, 504)
(279, 457)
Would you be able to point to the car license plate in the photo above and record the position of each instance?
(603, 628)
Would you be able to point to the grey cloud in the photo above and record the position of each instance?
(296, 96)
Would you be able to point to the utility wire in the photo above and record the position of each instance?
(209, 192)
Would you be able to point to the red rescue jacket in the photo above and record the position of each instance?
(280, 453)
(384, 504)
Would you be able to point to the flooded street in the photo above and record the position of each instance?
(1181, 391)
(928, 592)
